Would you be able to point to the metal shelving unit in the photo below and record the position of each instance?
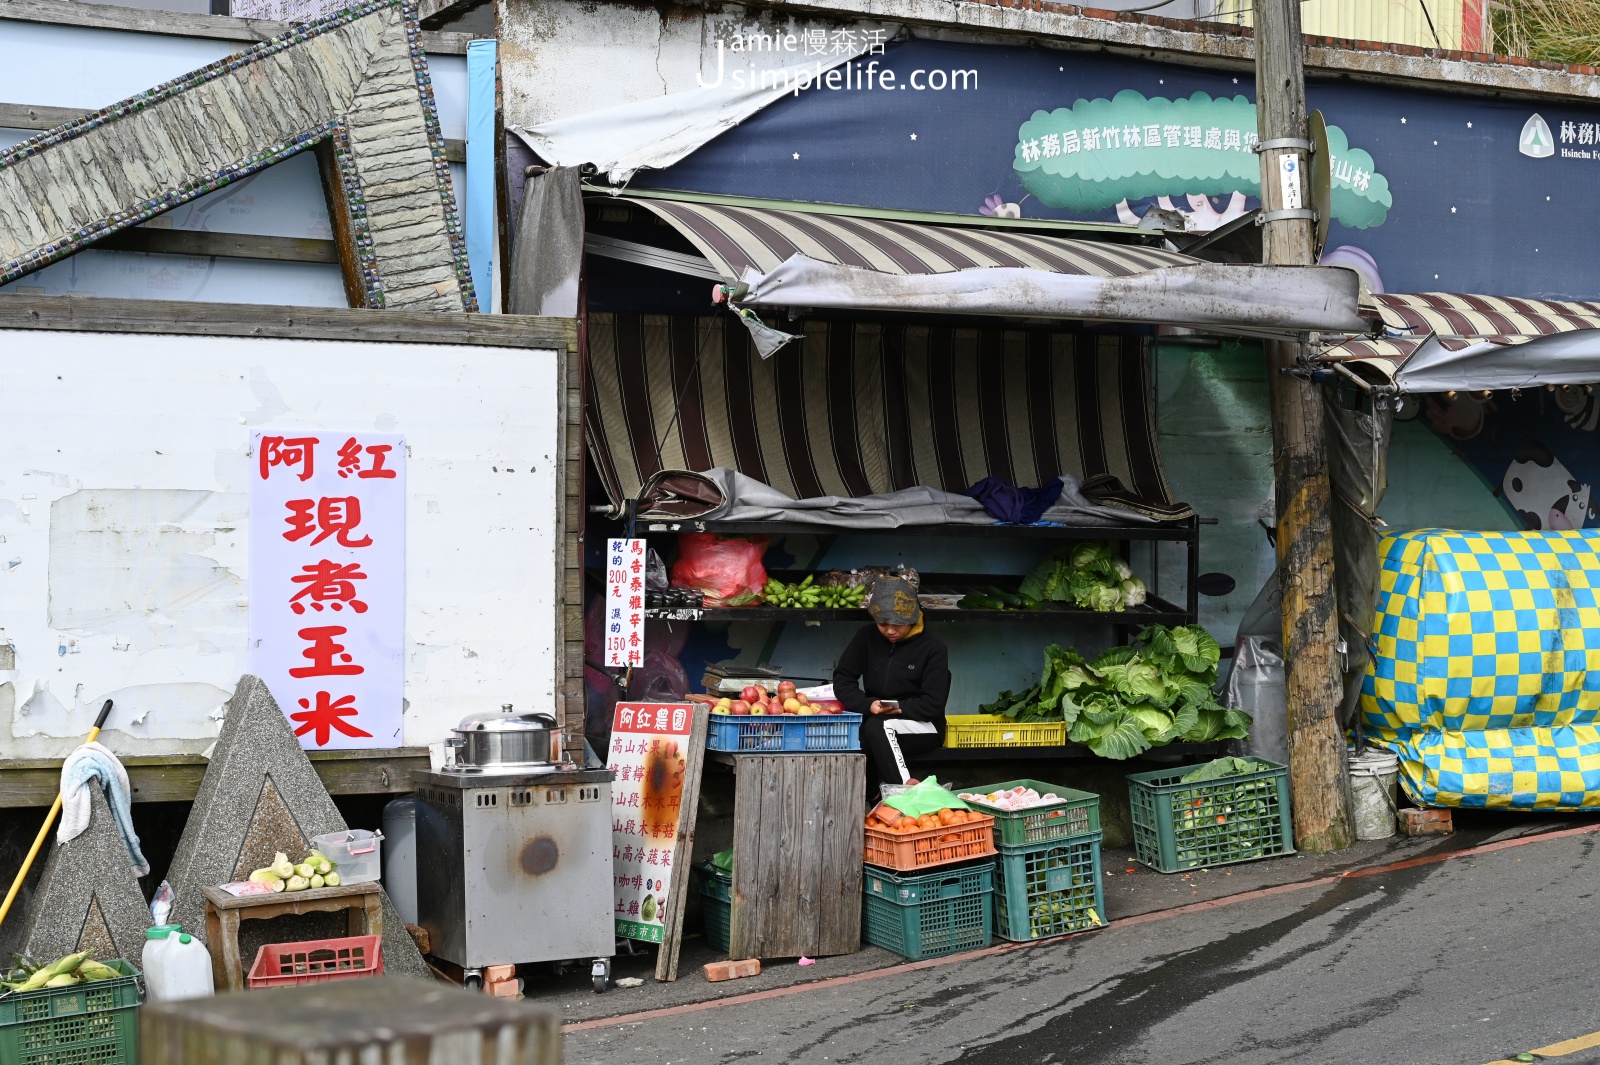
(1156, 611)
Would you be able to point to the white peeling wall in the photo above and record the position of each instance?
(124, 523)
(561, 58)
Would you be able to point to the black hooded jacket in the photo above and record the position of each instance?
(915, 672)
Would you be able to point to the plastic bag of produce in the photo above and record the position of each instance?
(727, 570)
(926, 797)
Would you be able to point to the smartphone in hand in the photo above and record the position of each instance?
(890, 706)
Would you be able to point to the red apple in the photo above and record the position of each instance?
(785, 689)
(800, 697)
(752, 694)
(740, 707)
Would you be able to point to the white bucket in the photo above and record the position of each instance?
(1374, 779)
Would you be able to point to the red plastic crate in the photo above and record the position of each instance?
(316, 960)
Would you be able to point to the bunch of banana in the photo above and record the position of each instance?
(801, 595)
(844, 596)
(63, 972)
(283, 875)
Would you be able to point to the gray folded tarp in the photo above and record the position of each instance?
(750, 500)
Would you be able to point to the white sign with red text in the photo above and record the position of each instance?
(624, 628)
(327, 583)
(649, 757)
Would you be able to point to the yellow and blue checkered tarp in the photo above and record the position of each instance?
(1486, 677)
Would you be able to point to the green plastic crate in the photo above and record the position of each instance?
(86, 1024)
(1076, 814)
(1049, 889)
(716, 903)
(926, 915)
(1180, 826)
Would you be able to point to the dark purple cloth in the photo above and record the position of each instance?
(1018, 506)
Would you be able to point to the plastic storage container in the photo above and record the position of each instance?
(997, 730)
(400, 856)
(1049, 889)
(930, 914)
(355, 853)
(177, 965)
(155, 942)
(316, 961)
(779, 734)
(1077, 812)
(716, 903)
(1179, 826)
(927, 847)
(94, 1023)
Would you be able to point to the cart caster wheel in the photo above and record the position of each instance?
(601, 972)
(472, 981)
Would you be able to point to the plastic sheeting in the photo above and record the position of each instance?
(1563, 359)
(1358, 456)
(1257, 683)
(1226, 297)
(655, 133)
(1486, 680)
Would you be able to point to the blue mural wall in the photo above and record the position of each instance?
(1457, 193)
(1471, 212)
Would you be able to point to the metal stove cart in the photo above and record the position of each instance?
(514, 851)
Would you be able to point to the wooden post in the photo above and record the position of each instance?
(1318, 776)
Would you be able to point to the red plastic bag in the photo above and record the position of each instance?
(726, 570)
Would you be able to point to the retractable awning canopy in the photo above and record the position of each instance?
(1446, 341)
(783, 256)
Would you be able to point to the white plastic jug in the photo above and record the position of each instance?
(179, 968)
(155, 944)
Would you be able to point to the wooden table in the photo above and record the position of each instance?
(797, 853)
(363, 904)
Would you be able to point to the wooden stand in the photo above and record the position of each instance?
(364, 917)
(797, 853)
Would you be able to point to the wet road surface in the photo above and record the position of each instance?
(1457, 963)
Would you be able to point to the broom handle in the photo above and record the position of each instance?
(44, 829)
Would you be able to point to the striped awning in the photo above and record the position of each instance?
(738, 239)
(862, 408)
(1485, 341)
(847, 260)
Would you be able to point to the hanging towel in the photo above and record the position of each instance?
(93, 762)
(1006, 502)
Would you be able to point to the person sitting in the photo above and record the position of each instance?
(897, 676)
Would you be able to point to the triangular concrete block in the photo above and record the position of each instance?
(260, 795)
(88, 897)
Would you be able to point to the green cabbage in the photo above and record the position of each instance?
(1159, 689)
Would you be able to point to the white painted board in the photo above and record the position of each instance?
(328, 582)
(124, 523)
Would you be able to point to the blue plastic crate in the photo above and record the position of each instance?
(784, 733)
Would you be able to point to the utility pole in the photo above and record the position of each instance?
(1317, 772)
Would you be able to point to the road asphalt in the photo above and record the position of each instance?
(1456, 962)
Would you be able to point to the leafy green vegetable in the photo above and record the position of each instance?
(1226, 766)
(1155, 691)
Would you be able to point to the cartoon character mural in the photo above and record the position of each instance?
(1543, 492)
(1537, 449)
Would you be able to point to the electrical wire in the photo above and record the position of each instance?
(1424, 5)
